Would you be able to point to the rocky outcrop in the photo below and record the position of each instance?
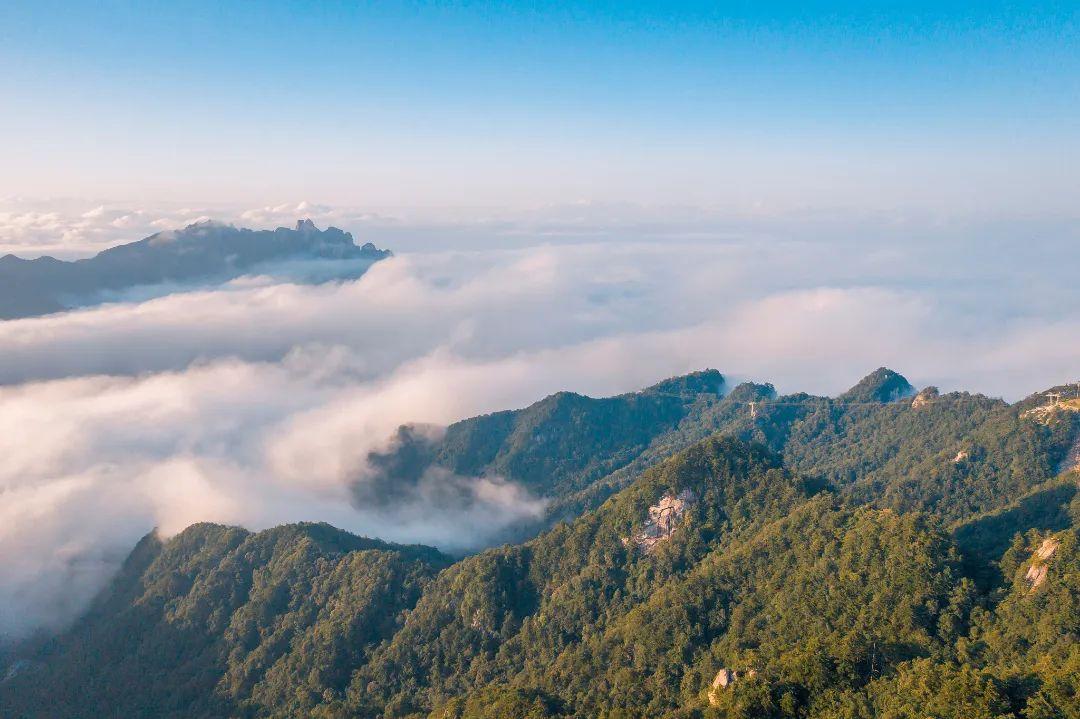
(663, 518)
(1036, 573)
(925, 397)
(205, 251)
(724, 679)
(1054, 408)
(1047, 549)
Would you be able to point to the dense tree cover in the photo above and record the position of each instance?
(221, 622)
(984, 539)
(957, 456)
(881, 385)
(515, 605)
(838, 556)
(822, 598)
(870, 442)
(566, 441)
(1031, 634)
(499, 702)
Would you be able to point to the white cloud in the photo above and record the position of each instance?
(258, 402)
(71, 228)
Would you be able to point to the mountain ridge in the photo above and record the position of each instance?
(199, 252)
(822, 559)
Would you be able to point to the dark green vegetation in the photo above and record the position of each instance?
(872, 555)
(217, 614)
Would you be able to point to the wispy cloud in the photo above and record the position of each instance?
(258, 402)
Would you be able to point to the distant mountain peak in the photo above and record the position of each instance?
(203, 251)
(752, 392)
(708, 381)
(881, 385)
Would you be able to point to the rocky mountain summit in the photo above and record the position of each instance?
(202, 252)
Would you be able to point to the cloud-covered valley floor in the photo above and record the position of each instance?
(258, 402)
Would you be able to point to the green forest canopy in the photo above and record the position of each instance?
(871, 555)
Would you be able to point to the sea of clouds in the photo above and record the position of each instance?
(259, 401)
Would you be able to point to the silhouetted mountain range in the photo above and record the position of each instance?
(199, 253)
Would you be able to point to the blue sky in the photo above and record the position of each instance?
(585, 196)
(933, 106)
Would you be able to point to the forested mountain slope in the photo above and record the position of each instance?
(878, 554)
(217, 617)
(956, 454)
(566, 441)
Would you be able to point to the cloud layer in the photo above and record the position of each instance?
(259, 402)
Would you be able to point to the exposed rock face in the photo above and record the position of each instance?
(1036, 573)
(1054, 408)
(725, 678)
(664, 517)
(1047, 549)
(925, 397)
